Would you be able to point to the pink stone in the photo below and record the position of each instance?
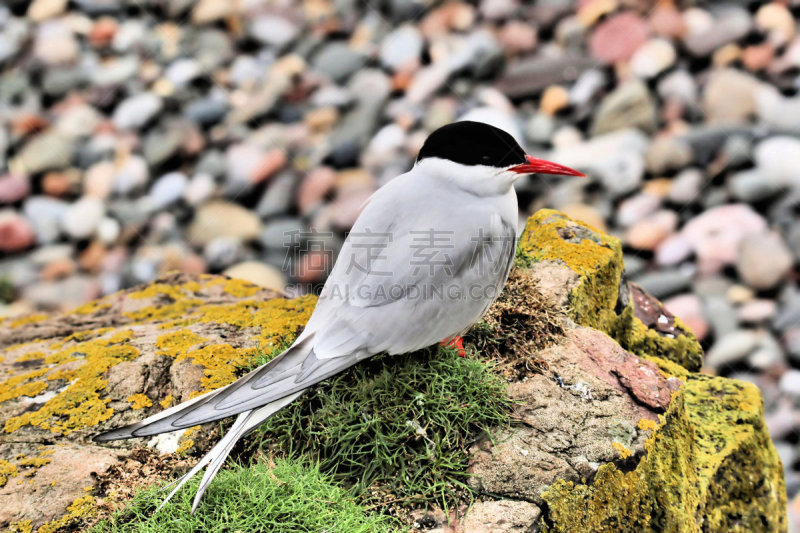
(314, 187)
(16, 233)
(651, 231)
(99, 180)
(619, 37)
(673, 250)
(13, 188)
(715, 234)
(689, 309)
(757, 310)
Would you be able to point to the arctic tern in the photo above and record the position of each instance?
(425, 259)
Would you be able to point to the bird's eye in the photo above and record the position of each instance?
(486, 158)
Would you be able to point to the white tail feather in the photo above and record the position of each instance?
(215, 458)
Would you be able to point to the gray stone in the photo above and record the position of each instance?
(401, 47)
(46, 151)
(338, 61)
(732, 348)
(665, 282)
(630, 105)
(136, 111)
(277, 199)
(45, 214)
(764, 260)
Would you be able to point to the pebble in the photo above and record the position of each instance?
(239, 223)
(778, 161)
(258, 273)
(13, 188)
(730, 96)
(136, 111)
(200, 188)
(99, 180)
(652, 58)
(45, 216)
(168, 189)
(46, 151)
(715, 235)
(80, 220)
(757, 311)
(401, 48)
(636, 208)
(689, 308)
(131, 176)
(673, 250)
(16, 233)
(666, 154)
(686, 186)
(618, 37)
(648, 233)
(731, 348)
(628, 106)
(707, 33)
(763, 260)
(665, 282)
(273, 30)
(790, 382)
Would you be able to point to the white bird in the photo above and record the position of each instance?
(425, 259)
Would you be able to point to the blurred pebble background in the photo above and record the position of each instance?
(139, 137)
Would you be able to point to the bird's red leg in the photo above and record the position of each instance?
(457, 343)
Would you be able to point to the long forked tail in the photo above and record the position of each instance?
(245, 422)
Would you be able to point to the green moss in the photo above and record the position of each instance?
(400, 423)
(709, 466)
(283, 496)
(596, 258)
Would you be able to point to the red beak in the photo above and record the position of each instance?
(540, 166)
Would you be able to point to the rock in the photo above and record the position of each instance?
(653, 57)
(501, 516)
(136, 111)
(690, 310)
(667, 153)
(616, 159)
(401, 48)
(529, 76)
(99, 180)
(40, 10)
(46, 151)
(730, 96)
(317, 183)
(776, 161)
(81, 218)
(686, 186)
(131, 176)
(729, 24)
(731, 348)
(208, 223)
(751, 186)
(273, 30)
(517, 37)
(223, 251)
(277, 198)
(13, 188)
(636, 208)
(665, 282)
(200, 188)
(673, 250)
(630, 105)
(618, 38)
(715, 235)
(777, 21)
(16, 233)
(337, 60)
(259, 274)
(585, 214)
(650, 232)
(168, 189)
(763, 260)
(790, 382)
(45, 215)
(55, 44)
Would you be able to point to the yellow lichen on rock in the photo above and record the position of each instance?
(25, 320)
(7, 471)
(709, 466)
(139, 401)
(82, 507)
(596, 260)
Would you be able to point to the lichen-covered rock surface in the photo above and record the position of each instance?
(613, 429)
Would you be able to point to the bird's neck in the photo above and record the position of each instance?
(479, 180)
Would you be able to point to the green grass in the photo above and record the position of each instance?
(286, 496)
(397, 425)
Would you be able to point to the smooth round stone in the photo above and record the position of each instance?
(587, 87)
(55, 44)
(401, 48)
(223, 219)
(314, 187)
(731, 348)
(108, 230)
(628, 106)
(790, 382)
(673, 250)
(652, 58)
(689, 309)
(281, 233)
(337, 60)
(183, 71)
(730, 96)
(45, 215)
(517, 37)
(207, 111)
(776, 19)
(201, 187)
(778, 160)
(13, 188)
(82, 217)
(16, 233)
(764, 260)
(585, 213)
(666, 282)
(223, 251)
(46, 151)
(258, 273)
(241, 162)
(618, 37)
(650, 232)
(751, 186)
(168, 189)
(78, 121)
(99, 180)
(273, 30)
(136, 111)
(715, 234)
(635, 208)
(130, 34)
(707, 33)
(131, 176)
(768, 354)
(40, 10)
(755, 311)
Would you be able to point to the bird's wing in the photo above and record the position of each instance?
(289, 373)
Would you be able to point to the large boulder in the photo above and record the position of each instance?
(614, 430)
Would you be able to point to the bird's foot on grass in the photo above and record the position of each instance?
(457, 343)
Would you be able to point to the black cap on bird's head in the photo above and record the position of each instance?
(476, 143)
